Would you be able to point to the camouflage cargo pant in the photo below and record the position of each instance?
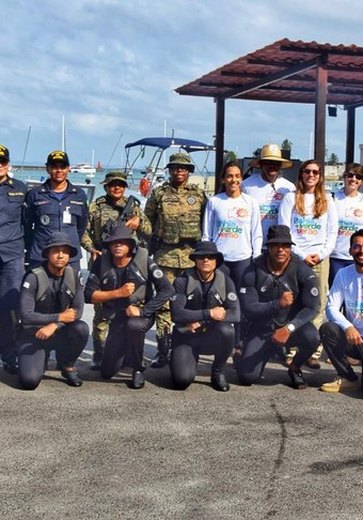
(163, 317)
(99, 332)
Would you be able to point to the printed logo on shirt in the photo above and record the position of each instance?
(229, 230)
(347, 228)
(269, 212)
(306, 225)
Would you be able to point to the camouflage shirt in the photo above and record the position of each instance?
(101, 212)
(176, 215)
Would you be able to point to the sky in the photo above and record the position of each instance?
(110, 69)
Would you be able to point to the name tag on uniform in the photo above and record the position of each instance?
(67, 216)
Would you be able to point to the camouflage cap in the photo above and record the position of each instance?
(4, 153)
(115, 175)
(181, 159)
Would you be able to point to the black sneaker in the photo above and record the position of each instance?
(297, 380)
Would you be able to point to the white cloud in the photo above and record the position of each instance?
(112, 66)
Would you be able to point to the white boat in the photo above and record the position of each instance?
(84, 168)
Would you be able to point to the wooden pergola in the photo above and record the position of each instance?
(289, 71)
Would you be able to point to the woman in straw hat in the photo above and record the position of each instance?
(311, 215)
(268, 187)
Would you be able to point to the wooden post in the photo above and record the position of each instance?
(320, 110)
(349, 148)
(219, 141)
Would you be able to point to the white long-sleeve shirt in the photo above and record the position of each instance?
(347, 288)
(311, 235)
(350, 219)
(269, 196)
(234, 225)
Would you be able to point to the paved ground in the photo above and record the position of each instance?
(109, 452)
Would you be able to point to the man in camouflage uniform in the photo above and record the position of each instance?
(175, 211)
(104, 213)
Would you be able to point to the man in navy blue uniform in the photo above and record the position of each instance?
(56, 205)
(12, 196)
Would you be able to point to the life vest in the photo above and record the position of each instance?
(270, 287)
(43, 297)
(216, 296)
(136, 272)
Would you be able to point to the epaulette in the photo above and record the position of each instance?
(100, 200)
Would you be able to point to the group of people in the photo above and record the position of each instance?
(246, 273)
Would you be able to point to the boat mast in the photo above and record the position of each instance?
(63, 134)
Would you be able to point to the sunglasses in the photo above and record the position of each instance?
(350, 175)
(206, 257)
(308, 170)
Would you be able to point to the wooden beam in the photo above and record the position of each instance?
(273, 78)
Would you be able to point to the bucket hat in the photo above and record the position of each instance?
(59, 238)
(270, 152)
(207, 249)
(115, 175)
(279, 234)
(4, 153)
(120, 232)
(181, 159)
(57, 156)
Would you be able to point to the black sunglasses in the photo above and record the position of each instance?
(350, 175)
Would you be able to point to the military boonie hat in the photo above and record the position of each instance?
(279, 234)
(206, 248)
(120, 232)
(181, 159)
(270, 152)
(57, 156)
(59, 238)
(115, 175)
(4, 153)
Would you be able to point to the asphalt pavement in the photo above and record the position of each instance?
(106, 451)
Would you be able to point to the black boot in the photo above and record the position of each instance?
(219, 382)
(162, 357)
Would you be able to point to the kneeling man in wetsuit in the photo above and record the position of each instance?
(51, 305)
(131, 288)
(204, 309)
(279, 297)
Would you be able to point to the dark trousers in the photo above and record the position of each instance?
(68, 342)
(337, 348)
(125, 336)
(259, 348)
(236, 270)
(218, 340)
(11, 275)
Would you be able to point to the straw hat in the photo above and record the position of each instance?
(270, 152)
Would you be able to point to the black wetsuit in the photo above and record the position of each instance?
(260, 294)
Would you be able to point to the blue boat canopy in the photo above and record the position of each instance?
(169, 142)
